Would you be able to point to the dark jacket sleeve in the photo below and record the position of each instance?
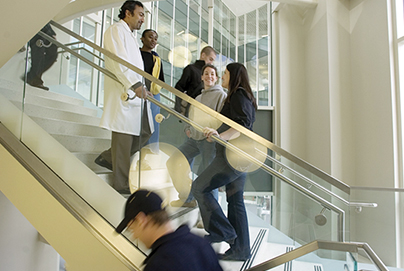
(184, 81)
(242, 109)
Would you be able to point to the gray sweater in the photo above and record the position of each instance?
(214, 98)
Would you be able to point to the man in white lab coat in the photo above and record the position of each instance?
(129, 120)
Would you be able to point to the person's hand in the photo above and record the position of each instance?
(188, 133)
(142, 92)
(208, 132)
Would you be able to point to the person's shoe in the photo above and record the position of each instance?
(42, 86)
(102, 162)
(180, 203)
(211, 240)
(38, 86)
(229, 255)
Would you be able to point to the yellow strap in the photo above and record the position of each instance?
(154, 88)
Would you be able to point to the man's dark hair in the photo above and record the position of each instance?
(128, 5)
(207, 50)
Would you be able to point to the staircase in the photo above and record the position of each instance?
(76, 128)
(74, 124)
(64, 117)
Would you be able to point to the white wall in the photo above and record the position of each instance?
(20, 247)
(335, 101)
(21, 20)
(372, 110)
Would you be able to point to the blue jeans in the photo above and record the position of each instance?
(220, 227)
(190, 149)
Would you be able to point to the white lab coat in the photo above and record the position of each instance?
(122, 116)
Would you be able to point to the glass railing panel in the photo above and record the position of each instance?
(319, 185)
(383, 213)
(75, 125)
(324, 255)
(323, 259)
(302, 219)
(271, 161)
(61, 126)
(295, 214)
(12, 91)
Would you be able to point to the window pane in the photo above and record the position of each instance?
(164, 31)
(181, 13)
(263, 73)
(263, 21)
(166, 7)
(194, 23)
(216, 40)
(71, 81)
(204, 27)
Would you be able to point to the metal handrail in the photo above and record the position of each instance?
(73, 203)
(298, 174)
(387, 189)
(316, 245)
(167, 98)
(321, 201)
(312, 169)
(85, 49)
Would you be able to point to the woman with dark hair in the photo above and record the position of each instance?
(240, 107)
(152, 65)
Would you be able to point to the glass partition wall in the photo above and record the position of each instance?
(293, 201)
(281, 198)
(183, 27)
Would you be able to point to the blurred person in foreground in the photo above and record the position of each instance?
(179, 250)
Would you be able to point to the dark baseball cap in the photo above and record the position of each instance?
(140, 201)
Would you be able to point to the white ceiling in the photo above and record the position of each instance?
(240, 7)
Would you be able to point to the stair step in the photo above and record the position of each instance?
(49, 104)
(15, 89)
(88, 159)
(42, 112)
(54, 126)
(107, 177)
(83, 143)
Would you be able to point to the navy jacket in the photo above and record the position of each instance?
(182, 251)
(191, 79)
(239, 109)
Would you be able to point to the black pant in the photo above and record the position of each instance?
(42, 59)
